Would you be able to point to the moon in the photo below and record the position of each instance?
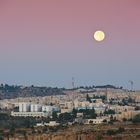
(99, 35)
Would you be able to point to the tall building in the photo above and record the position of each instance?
(24, 107)
(36, 108)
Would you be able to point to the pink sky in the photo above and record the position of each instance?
(47, 42)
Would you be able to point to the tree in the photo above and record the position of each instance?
(29, 122)
(110, 132)
(109, 111)
(4, 116)
(54, 116)
(121, 129)
(124, 119)
(91, 122)
(104, 120)
(111, 120)
(88, 98)
(136, 119)
(65, 117)
(88, 113)
(74, 112)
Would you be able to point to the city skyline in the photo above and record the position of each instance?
(49, 42)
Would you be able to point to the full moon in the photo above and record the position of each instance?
(99, 35)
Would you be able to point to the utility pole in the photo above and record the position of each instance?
(73, 84)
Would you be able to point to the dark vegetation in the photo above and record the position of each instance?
(7, 91)
(70, 117)
(109, 111)
(136, 119)
(88, 113)
(115, 131)
(9, 122)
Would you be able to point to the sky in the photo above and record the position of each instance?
(47, 42)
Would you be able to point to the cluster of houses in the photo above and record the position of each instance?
(45, 106)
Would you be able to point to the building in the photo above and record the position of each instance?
(29, 114)
(119, 109)
(51, 109)
(126, 114)
(95, 121)
(24, 107)
(36, 108)
(51, 124)
(66, 110)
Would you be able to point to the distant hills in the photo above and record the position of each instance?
(7, 91)
(14, 91)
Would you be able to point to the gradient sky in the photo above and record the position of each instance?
(47, 42)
